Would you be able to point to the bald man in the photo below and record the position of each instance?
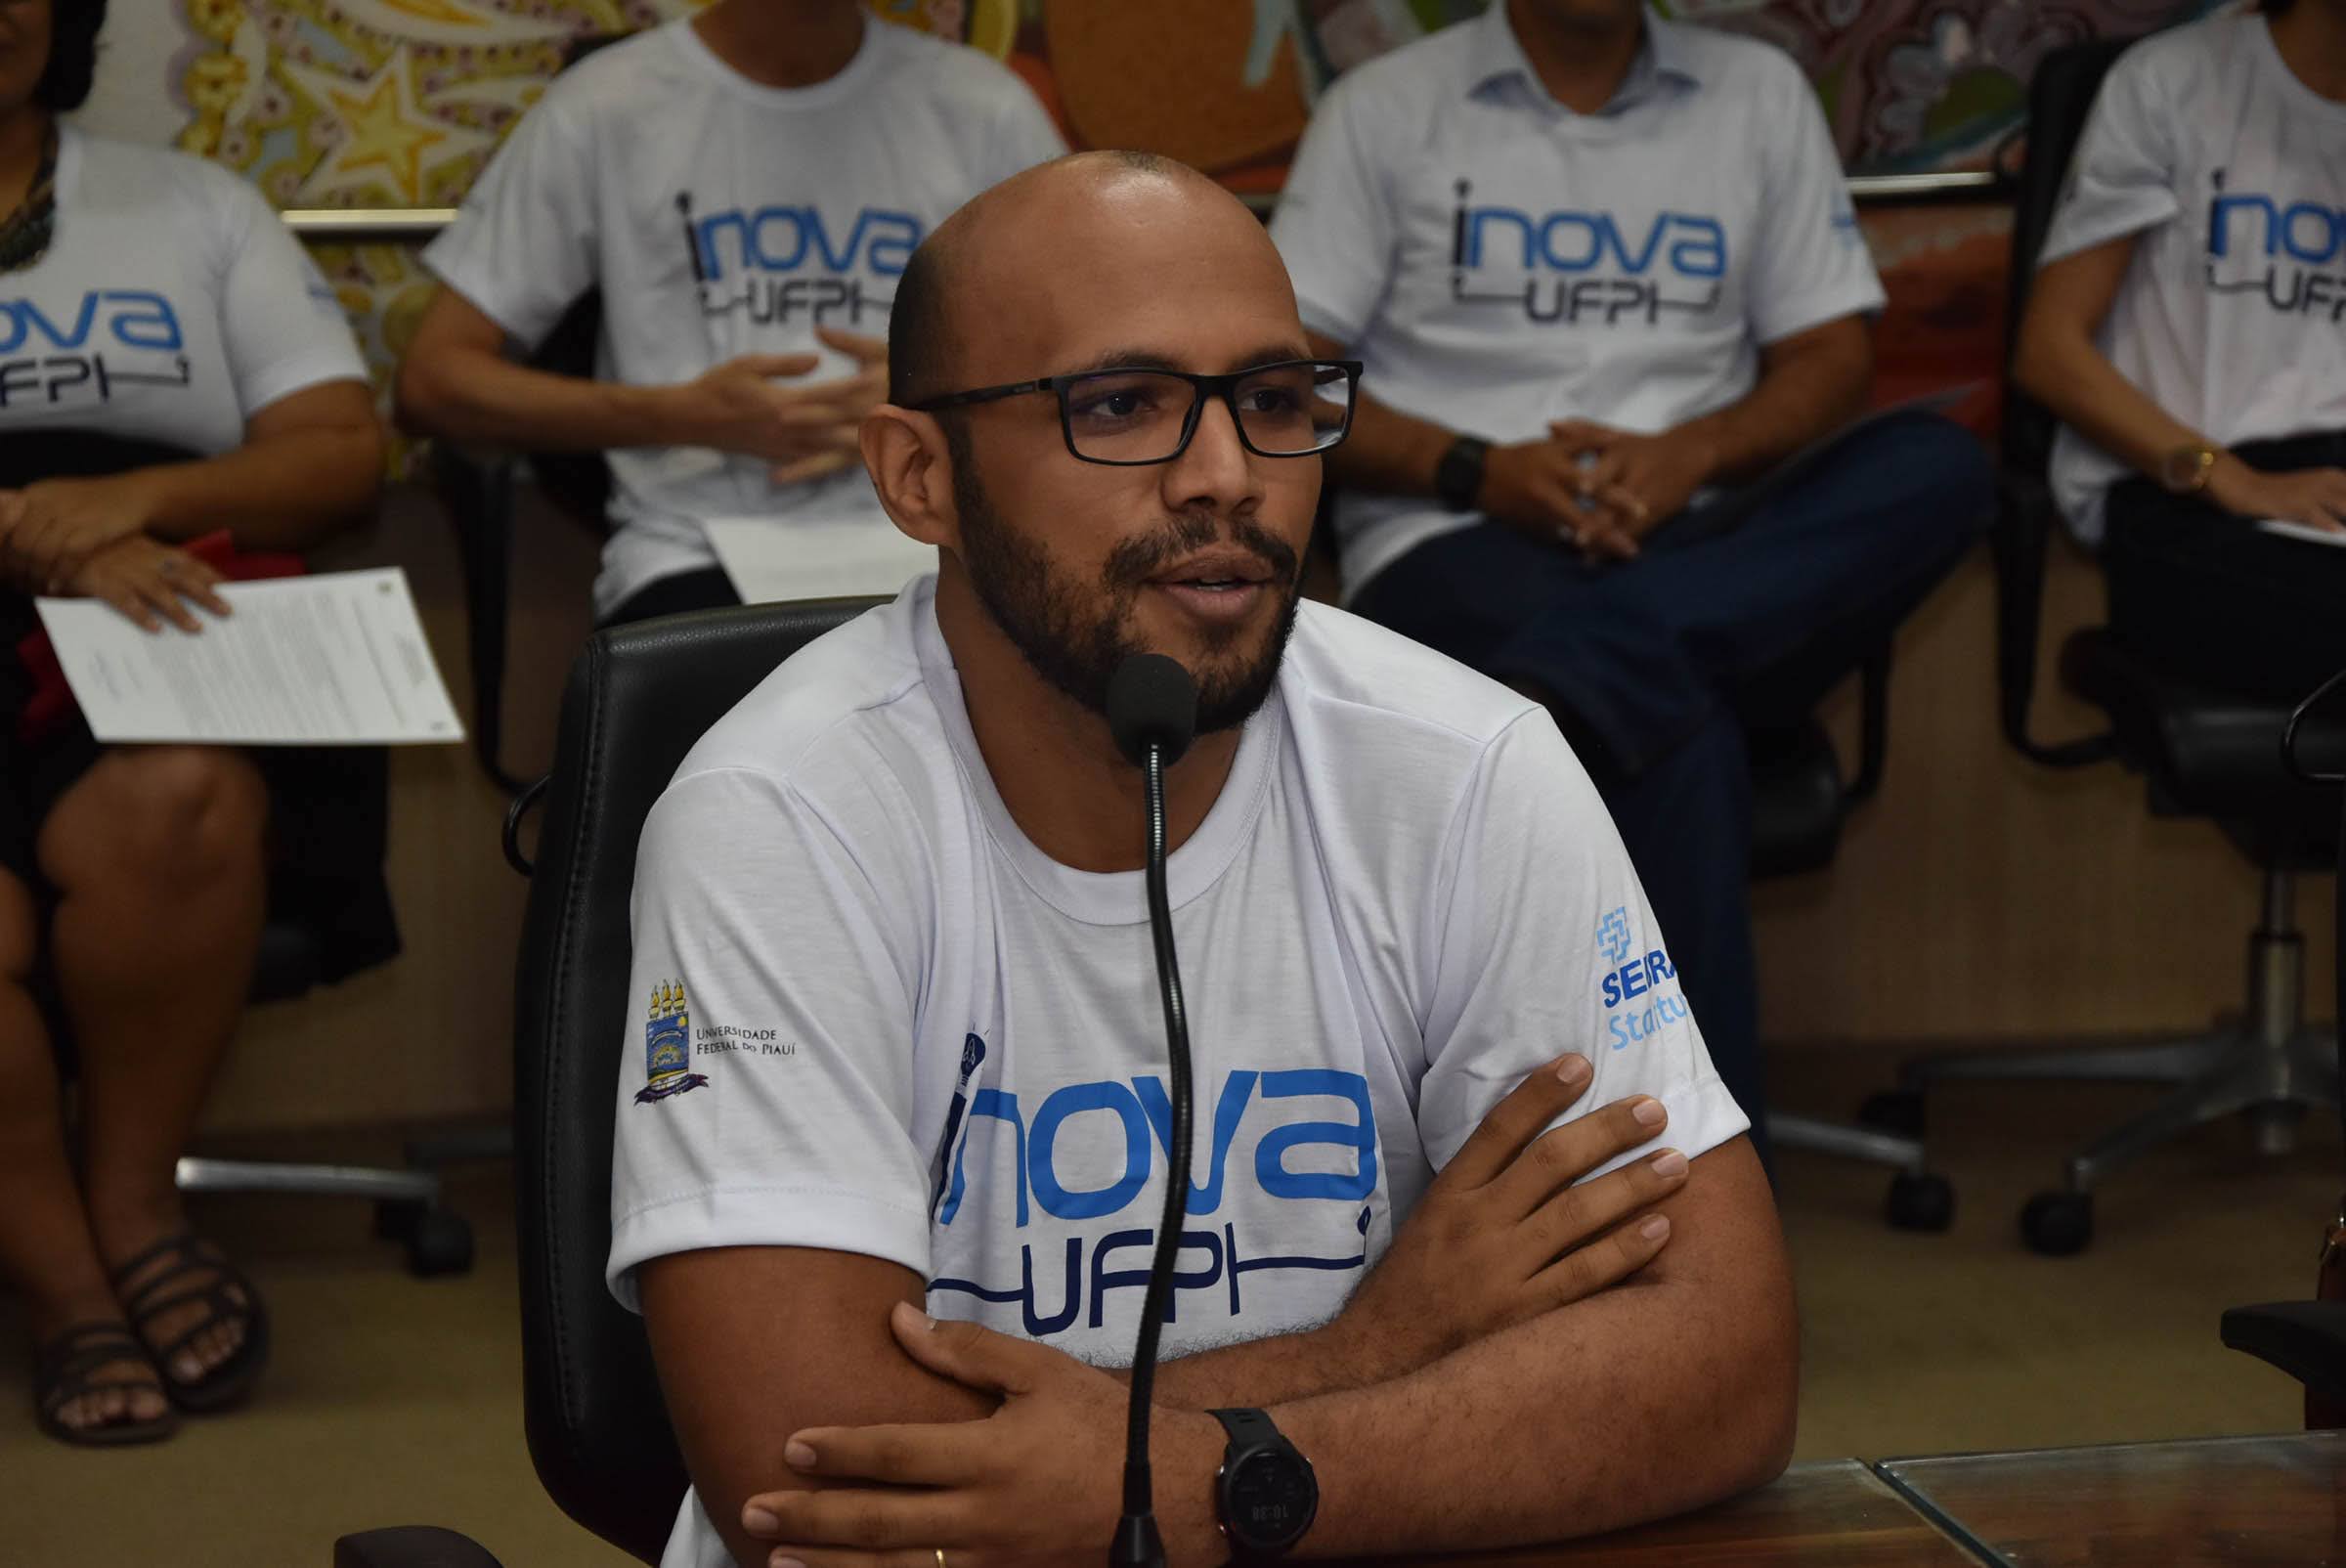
(889, 1150)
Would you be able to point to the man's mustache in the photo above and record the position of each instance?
(1136, 561)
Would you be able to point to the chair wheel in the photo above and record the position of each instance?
(2057, 1225)
(1924, 1202)
(1898, 1110)
(441, 1244)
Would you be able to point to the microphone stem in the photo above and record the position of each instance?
(1136, 1540)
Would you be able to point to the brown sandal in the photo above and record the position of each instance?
(230, 1382)
(62, 1369)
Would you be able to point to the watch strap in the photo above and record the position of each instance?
(1248, 1428)
(1459, 476)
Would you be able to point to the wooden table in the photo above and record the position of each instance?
(1834, 1514)
(2237, 1501)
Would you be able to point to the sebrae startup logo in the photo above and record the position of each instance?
(1649, 976)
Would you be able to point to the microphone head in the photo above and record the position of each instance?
(1152, 701)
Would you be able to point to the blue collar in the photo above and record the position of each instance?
(1497, 58)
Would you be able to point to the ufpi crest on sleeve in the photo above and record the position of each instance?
(667, 1046)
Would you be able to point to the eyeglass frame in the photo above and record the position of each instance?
(1201, 386)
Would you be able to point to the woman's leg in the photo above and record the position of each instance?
(157, 855)
(45, 1245)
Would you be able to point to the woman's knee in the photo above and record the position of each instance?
(164, 814)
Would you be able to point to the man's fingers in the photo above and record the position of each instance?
(945, 1454)
(1606, 1261)
(850, 1520)
(778, 363)
(125, 600)
(1557, 1158)
(1542, 1097)
(1577, 1214)
(870, 350)
(157, 591)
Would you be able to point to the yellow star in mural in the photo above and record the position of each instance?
(386, 130)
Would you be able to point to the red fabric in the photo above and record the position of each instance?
(51, 702)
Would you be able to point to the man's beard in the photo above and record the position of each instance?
(1076, 640)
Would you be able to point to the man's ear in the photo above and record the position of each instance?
(912, 468)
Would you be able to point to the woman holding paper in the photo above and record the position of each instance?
(147, 296)
(2188, 327)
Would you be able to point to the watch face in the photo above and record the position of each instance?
(1270, 1500)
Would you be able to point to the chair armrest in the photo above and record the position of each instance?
(476, 485)
(2022, 535)
(2307, 1340)
(411, 1546)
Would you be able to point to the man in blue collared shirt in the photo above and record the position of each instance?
(1606, 279)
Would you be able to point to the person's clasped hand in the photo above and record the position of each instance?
(49, 528)
(1637, 481)
(803, 432)
(150, 582)
(1037, 1484)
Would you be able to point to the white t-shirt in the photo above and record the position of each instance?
(873, 1016)
(723, 218)
(171, 306)
(2233, 173)
(1499, 262)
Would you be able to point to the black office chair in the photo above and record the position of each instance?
(329, 913)
(2307, 1340)
(637, 699)
(2201, 753)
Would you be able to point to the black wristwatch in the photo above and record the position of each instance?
(1459, 476)
(1265, 1492)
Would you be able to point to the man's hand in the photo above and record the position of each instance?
(141, 577)
(1037, 1484)
(1502, 1234)
(1538, 489)
(2313, 496)
(1640, 481)
(803, 432)
(50, 527)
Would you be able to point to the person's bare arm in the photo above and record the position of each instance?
(1811, 384)
(458, 381)
(312, 463)
(752, 1343)
(2058, 363)
(1669, 1391)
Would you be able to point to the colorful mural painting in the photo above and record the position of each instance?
(398, 102)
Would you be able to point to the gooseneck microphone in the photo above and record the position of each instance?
(1152, 716)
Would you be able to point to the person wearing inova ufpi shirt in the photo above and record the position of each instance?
(1605, 275)
(2188, 327)
(150, 296)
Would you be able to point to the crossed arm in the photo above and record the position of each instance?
(1483, 1386)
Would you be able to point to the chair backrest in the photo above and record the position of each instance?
(637, 699)
(2061, 97)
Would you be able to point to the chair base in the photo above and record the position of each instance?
(1894, 1149)
(2229, 1072)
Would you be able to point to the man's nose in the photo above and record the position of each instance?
(1215, 469)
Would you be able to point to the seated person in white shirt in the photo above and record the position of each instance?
(902, 1047)
(2187, 323)
(745, 187)
(152, 302)
(1603, 271)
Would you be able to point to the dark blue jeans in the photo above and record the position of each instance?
(1752, 606)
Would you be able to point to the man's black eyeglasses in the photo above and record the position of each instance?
(1130, 418)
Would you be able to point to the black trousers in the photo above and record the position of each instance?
(2211, 598)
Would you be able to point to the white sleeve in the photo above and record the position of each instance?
(765, 1067)
(1547, 945)
(1334, 225)
(1023, 135)
(2121, 178)
(280, 327)
(522, 248)
(1810, 262)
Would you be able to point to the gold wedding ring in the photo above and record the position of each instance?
(940, 1557)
